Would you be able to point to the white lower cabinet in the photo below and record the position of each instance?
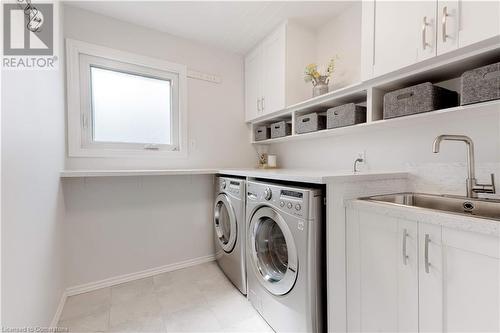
(471, 282)
(430, 273)
(406, 276)
(382, 277)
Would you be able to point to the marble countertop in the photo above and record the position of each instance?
(445, 219)
(311, 175)
(296, 175)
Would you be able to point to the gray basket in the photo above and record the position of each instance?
(345, 115)
(481, 84)
(423, 97)
(309, 123)
(262, 133)
(280, 129)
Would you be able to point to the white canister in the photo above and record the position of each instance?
(271, 161)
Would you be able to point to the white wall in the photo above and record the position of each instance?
(124, 225)
(342, 36)
(32, 202)
(216, 111)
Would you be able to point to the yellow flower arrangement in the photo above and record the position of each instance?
(313, 75)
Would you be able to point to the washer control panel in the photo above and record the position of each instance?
(234, 187)
(291, 201)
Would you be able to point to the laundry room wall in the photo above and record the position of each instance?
(123, 225)
(218, 135)
(32, 214)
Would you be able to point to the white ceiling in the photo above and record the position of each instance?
(232, 25)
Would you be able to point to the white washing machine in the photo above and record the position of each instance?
(285, 256)
(230, 231)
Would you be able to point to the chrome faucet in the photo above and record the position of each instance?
(473, 188)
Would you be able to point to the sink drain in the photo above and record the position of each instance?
(468, 206)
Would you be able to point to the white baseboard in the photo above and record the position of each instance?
(83, 288)
(60, 306)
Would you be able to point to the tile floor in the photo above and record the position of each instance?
(194, 299)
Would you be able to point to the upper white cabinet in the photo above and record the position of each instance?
(409, 276)
(462, 23)
(478, 20)
(273, 67)
(401, 33)
(404, 33)
(253, 88)
(274, 70)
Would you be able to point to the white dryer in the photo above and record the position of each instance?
(285, 256)
(229, 224)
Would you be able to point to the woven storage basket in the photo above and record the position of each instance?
(345, 115)
(309, 123)
(423, 97)
(481, 84)
(262, 133)
(280, 129)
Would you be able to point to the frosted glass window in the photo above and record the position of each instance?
(130, 108)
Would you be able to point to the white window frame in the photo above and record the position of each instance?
(80, 57)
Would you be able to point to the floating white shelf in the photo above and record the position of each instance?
(484, 108)
(356, 92)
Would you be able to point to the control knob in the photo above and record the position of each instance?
(268, 194)
(223, 184)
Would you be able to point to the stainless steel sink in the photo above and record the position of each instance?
(485, 208)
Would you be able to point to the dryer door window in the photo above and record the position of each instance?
(225, 223)
(273, 251)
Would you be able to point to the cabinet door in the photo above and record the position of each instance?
(273, 66)
(430, 278)
(479, 20)
(447, 26)
(253, 82)
(382, 277)
(426, 36)
(401, 37)
(472, 282)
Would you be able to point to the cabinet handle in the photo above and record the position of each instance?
(424, 29)
(405, 255)
(443, 23)
(426, 253)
